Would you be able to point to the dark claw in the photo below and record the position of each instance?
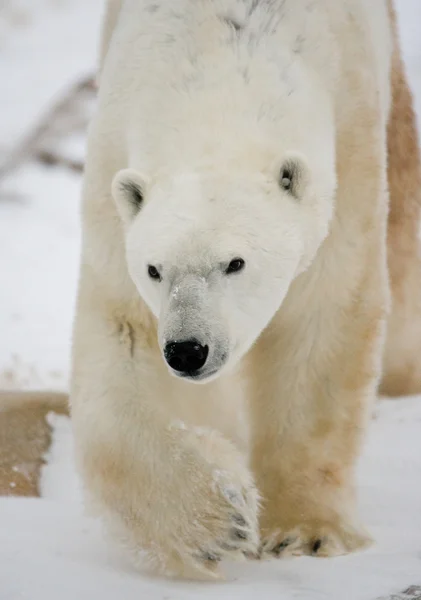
(277, 550)
(239, 520)
(252, 555)
(237, 534)
(210, 557)
(316, 546)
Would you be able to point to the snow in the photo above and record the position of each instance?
(49, 549)
(59, 480)
(54, 44)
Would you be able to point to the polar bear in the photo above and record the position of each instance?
(234, 286)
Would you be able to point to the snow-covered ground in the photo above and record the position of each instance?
(45, 46)
(48, 549)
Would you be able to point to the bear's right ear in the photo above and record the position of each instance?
(127, 190)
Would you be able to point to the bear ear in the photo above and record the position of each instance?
(128, 190)
(294, 175)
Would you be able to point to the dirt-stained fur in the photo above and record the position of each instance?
(402, 357)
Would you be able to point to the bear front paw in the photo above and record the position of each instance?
(227, 515)
(216, 507)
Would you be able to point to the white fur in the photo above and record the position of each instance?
(202, 119)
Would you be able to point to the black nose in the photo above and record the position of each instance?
(186, 357)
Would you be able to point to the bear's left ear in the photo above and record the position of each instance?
(294, 175)
(128, 190)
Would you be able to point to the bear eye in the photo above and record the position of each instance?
(154, 273)
(237, 264)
